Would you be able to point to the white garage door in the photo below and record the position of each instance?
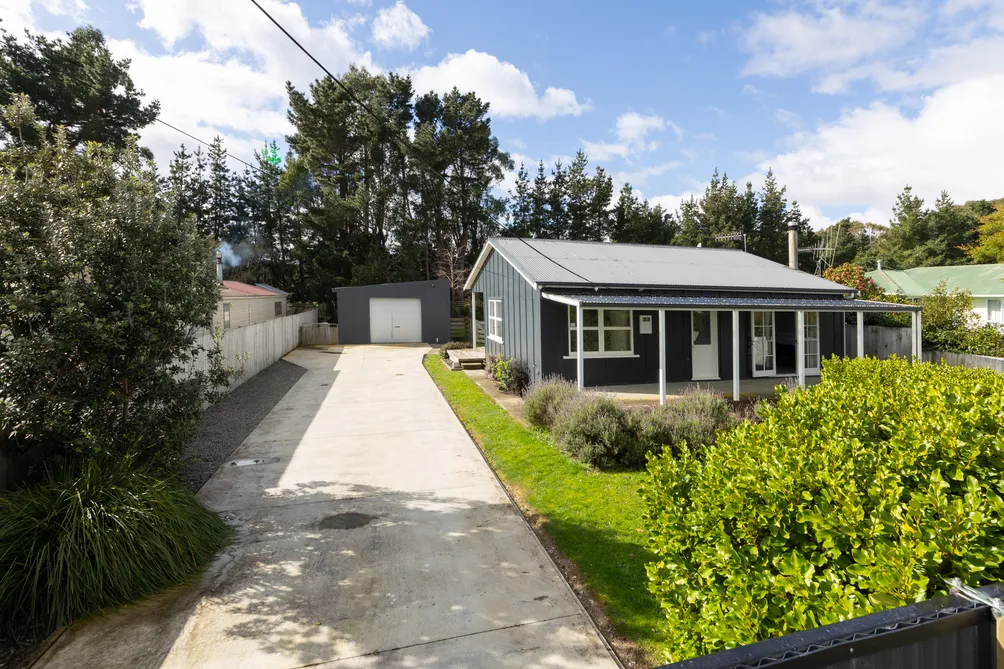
(395, 320)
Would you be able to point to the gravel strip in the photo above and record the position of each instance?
(228, 422)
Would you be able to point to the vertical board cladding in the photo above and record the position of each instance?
(521, 337)
(831, 334)
(354, 309)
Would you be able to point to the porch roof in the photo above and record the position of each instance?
(764, 303)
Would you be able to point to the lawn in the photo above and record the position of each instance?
(594, 518)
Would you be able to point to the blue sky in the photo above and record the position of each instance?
(847, 100)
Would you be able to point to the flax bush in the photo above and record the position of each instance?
(858, 494)
(545, 399)
(98, 535)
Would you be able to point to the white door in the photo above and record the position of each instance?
(704, 344)
(812, 342)
(764, 344)
(395, 320)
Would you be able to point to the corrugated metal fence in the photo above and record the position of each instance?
(263, 342)
(943, 633)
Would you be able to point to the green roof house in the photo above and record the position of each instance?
(985, 282)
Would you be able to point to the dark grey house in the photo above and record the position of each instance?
(610, 314)
(394, 313)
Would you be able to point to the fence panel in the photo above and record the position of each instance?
(318, 334)
(263, 342)
(965, 360)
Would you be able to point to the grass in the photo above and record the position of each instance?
(594, 518)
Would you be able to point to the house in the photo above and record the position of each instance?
(607, 314)
(242, 304)
(984, 282)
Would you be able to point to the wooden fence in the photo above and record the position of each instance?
(965, 360)
(264, 343)
(883, 341)
(318, 334)
(460, 330)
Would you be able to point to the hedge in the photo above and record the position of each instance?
(861, 493)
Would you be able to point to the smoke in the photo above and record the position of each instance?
(235, 255)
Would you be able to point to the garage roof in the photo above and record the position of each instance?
(604, 264)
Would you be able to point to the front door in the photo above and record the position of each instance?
(764, 342)
(704, 344)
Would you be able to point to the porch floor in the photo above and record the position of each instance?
(749, 388)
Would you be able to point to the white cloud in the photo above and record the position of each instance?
(705, 37)
(234, 83)
(640, 176)
(834, 33)
(749, 89)
(398, 27)
(672, 203)
(16, 16)
(859, 162)
(631, 129)
(788, 118)
(506, 87)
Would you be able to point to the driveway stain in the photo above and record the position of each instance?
(346, 521)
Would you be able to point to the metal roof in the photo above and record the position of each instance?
(920, 281)
(766, 303)
(240, 289)
(571, 263)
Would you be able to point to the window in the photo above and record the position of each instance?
(994, 314)
(604, 331)
(811, 341)
(278, 309)
(495, 320)
(226, 316)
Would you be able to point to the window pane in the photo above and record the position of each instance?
(701, 327)
(572, 343)
(811, 317)
(617, 318)
(590, 341)
(572, 312)
(994, 311)
(590, 318)
(616, 340)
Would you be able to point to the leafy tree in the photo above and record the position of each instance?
(989, 247)
(919, 237)
(638, 222)
(853, 276)
(76, 84)
(104, 291)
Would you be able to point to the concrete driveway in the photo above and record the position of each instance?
(379, 538)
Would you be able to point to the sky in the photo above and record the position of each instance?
(846, 100)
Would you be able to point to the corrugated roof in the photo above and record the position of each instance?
(271, 288)
(920, 281)
(240, 289)
(782, 303)
(559, 262)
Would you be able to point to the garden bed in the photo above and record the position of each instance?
(590, 520)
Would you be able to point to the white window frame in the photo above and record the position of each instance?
(812, 371)
(278, 309)
(1000, 311)
(494, 318)
(599, 328)
(226, 316)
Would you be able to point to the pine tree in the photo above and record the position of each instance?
(221, 191)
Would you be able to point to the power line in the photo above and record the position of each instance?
(403, 145)
(201, 141)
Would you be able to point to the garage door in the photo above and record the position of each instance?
(395, 320)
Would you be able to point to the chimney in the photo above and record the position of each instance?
(219, 267)
(793, 245)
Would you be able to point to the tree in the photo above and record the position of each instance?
(989, 247)
(853, 276)
(104, 293)
(520, 207)
(76, 84)
(220, 196)
(919, 237)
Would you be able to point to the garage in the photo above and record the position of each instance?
(395, 320)
(394, 313)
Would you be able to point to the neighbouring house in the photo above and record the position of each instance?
(394, 313)
(984, 282)
(242, 304)
(607, 314)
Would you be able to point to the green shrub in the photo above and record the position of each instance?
(452, 346)
(98, 537)
(510, 374)
(691, 420)
(595, 428)
(861, 493)
(544, 399)
(491, 362)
